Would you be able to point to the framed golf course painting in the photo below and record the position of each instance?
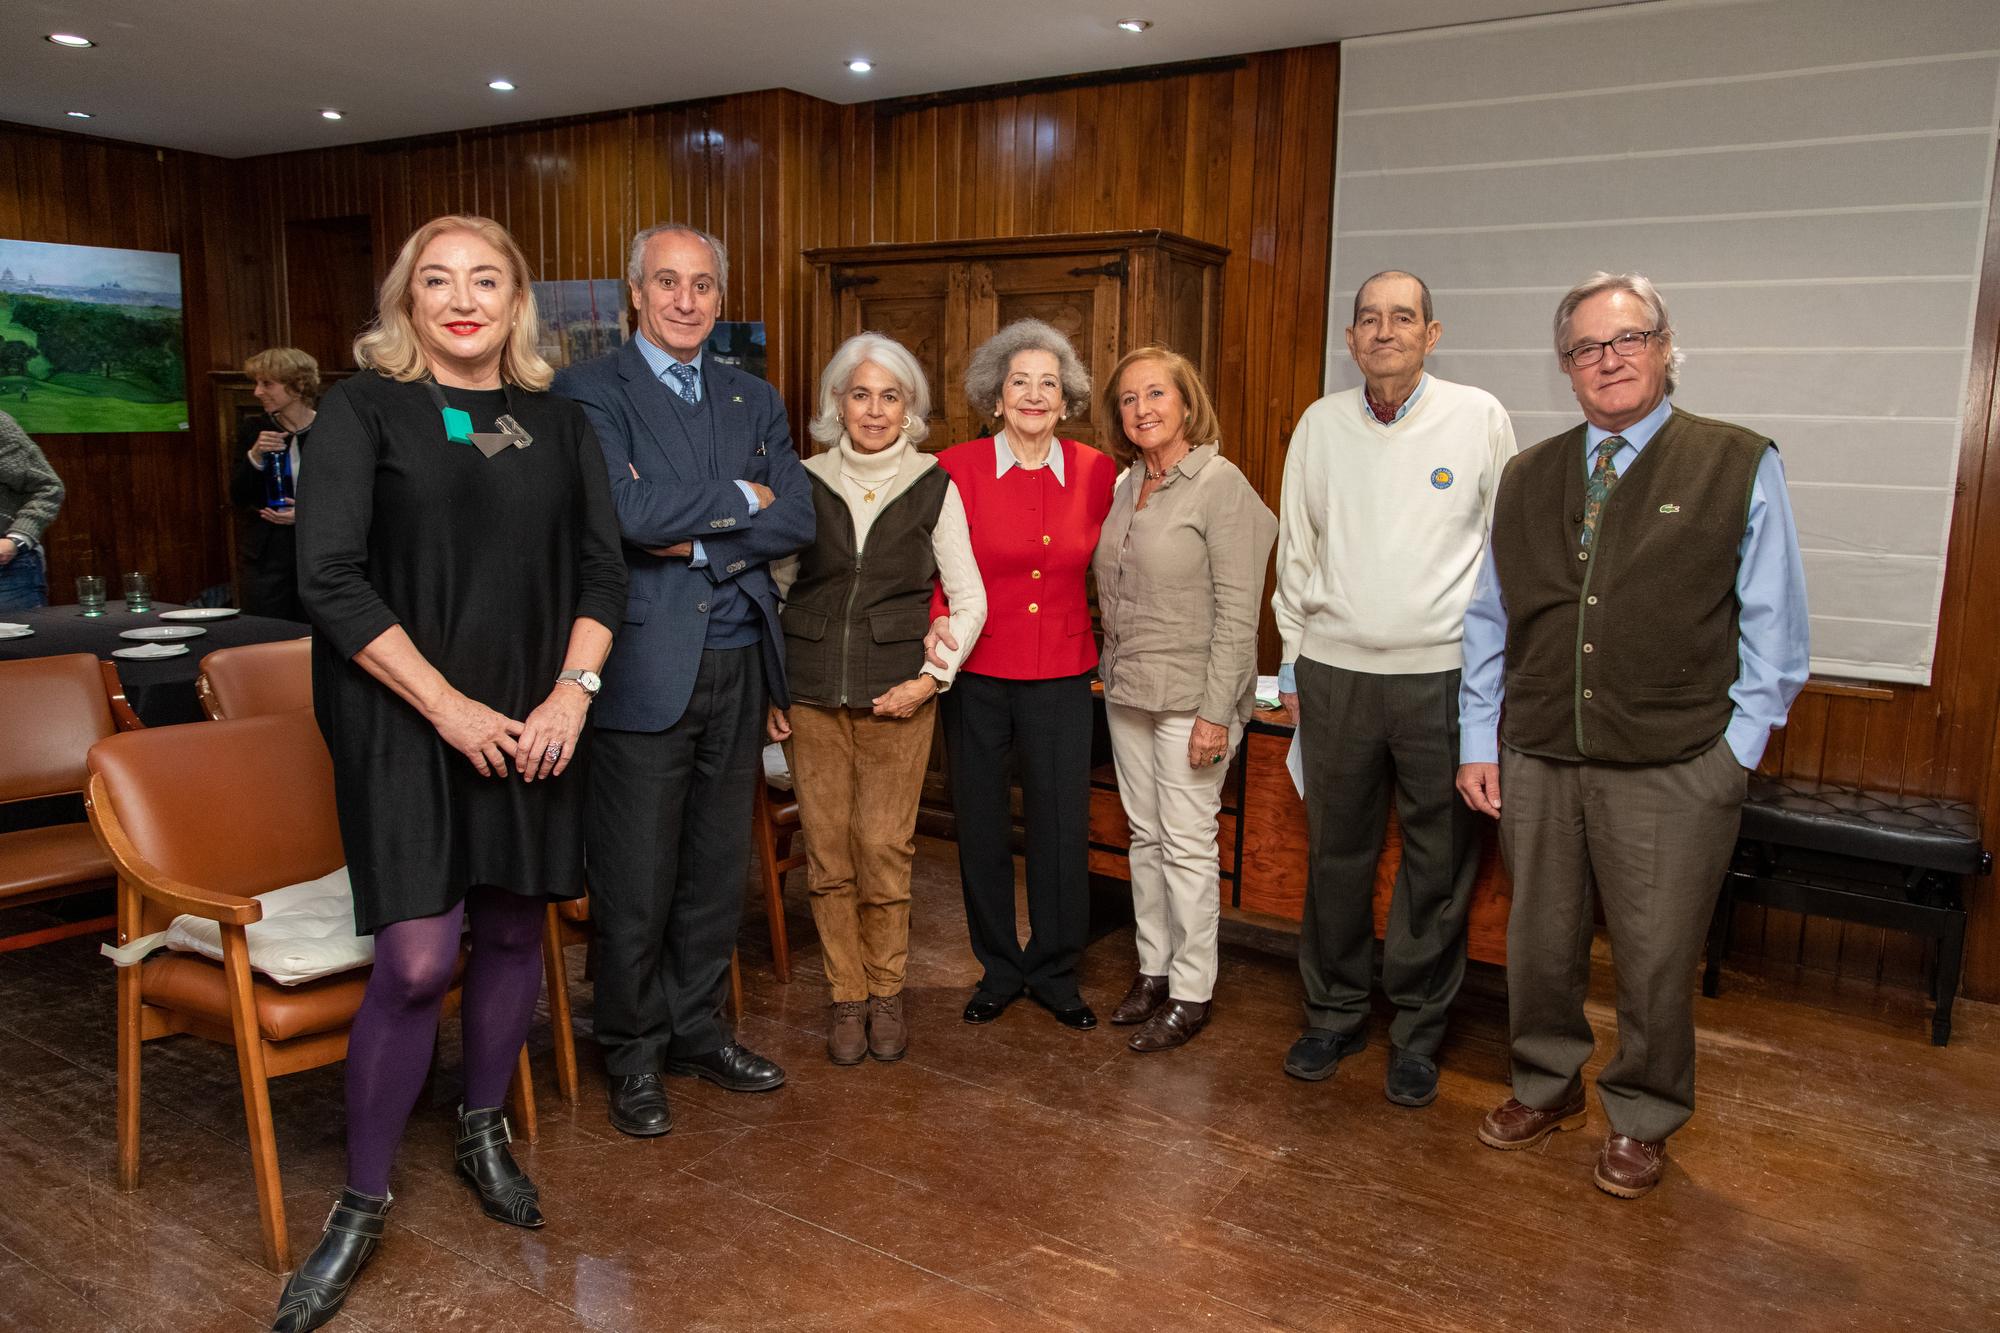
(91, 339)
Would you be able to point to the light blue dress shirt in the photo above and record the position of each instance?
(657, 360)
(1773, 645)
(1288, 682)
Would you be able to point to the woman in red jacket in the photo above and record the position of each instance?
(1034, 503)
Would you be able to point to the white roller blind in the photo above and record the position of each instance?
(1807, 182)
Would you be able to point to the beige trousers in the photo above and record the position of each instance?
(858, 778)
(1176, 895)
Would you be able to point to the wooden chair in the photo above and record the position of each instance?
(122, 712)
(256, 679)
(52, 710)
(161, 803)
(774, 825)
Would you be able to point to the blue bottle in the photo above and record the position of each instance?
(278, 479)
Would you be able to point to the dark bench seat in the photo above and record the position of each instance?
(1874, 858)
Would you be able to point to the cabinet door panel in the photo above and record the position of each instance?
(915, 305)
(1072, 293)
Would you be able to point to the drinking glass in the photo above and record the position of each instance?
(138, 592)
(90, 594)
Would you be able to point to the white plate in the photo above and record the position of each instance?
(201, 613)
(13, 631)
(162, 632)
(146, 652)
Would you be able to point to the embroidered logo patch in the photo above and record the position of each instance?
(1441, 477)
(1670, 509)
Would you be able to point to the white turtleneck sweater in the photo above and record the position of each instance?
(855, 476)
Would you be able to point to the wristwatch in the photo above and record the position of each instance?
(587, 680)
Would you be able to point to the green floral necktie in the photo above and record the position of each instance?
(1602, 478)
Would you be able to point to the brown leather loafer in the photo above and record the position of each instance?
(888, 1032)
(1147, 994)
(847, 1038)
(1629, 1167)
(1171, 1025)
(1511, 1126)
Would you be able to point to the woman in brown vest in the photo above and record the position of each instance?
(857, 605)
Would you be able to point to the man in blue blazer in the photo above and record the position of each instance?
(709, 491)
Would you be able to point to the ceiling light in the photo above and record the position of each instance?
(501, 86)
(861, 66)
(80, 115)
(329, 114)
(70, 39)
(1135, 25)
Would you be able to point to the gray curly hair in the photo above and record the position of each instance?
(838, 377)
(995, 357)
(1643, 290)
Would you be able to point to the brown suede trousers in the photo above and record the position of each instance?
(858, 778)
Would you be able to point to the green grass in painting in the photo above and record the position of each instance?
(52, 408)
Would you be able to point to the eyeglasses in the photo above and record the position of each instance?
(1625, 344)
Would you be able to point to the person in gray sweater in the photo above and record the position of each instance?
(30, 495)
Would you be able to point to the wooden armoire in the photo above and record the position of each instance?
(1109, 291)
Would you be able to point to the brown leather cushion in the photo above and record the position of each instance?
(192, 984)
(574, 909)
(36, 860)
(257, 679)
(238, 807)
(52, 710)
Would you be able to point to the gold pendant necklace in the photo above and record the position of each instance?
(869, 487)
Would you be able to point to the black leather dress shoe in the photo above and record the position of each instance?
(984, 1008)
(315, 1293)
(736, 1068)
(1412, 1079)
(1319, 1052)
(505, 1192)
(639, 1106)
(1079, 1016)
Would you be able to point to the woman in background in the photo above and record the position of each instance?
(31, 494)
(265, 481)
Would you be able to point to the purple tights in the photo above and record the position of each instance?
(395, 1031)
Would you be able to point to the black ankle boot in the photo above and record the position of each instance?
(315, 1292)
(505, 1192)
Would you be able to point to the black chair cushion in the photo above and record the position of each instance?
(1920, 831)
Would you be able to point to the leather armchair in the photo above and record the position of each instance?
(256, 678)
(52, 710)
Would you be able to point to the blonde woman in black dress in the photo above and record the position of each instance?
(460, 560)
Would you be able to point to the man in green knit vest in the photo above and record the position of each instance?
(1641, 613)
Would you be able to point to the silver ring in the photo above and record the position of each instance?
(554, 751)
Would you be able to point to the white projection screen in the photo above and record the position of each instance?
(1806, 180)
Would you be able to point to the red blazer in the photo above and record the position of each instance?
(1033, 538)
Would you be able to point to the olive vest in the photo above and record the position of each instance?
(855, 622)
(1624, 651)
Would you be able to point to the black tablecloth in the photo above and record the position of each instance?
(161, 692)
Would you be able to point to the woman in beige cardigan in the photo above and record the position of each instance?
(857, 605)
(1180, 577)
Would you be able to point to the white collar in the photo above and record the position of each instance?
(1003, 458)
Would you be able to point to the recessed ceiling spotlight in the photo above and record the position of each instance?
(70, 39)
(861, 66)
(329, 114)
(501, 86)
(1135, 25)
(79, 115)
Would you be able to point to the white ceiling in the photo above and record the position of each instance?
(242, 77)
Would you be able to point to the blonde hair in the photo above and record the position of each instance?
(389, 344)
(294, 369)
(1203, 426)
(895, 359)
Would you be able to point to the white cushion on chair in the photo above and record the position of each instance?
(777, 772)
(307, 932)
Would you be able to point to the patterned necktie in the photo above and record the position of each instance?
(683, 381)
(1602, 478)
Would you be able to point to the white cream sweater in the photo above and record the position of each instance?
(1381, 528)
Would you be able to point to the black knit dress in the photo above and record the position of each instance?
(486, 563)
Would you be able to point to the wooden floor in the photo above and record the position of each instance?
(1840, 1173)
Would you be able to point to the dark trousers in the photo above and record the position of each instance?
(269, 580)
(1653, 841)
(667, 847)
(1363, 733)
(1044, 727)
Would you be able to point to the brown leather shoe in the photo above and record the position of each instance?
(1629, 1167)
(888, 1034)
(1511, 1126)
(1171, 1025)
(847, 1039)
(1147, 994)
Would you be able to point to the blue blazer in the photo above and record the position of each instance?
(664, 495)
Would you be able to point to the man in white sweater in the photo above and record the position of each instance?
(1387, 497)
